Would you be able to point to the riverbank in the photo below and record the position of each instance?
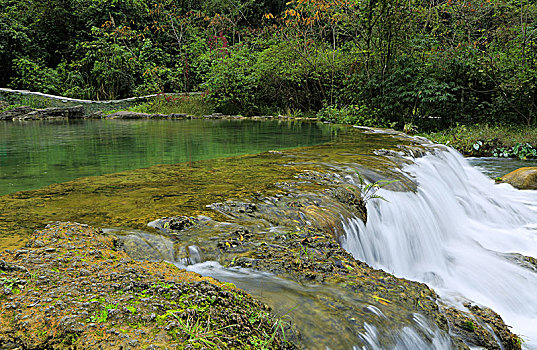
(482, 140)
(279, 212)
(183, 107)
(479, 140)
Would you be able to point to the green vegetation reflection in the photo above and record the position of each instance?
(36, 154)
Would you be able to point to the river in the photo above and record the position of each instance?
(454, 228)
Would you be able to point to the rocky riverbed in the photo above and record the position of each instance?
(72, 286)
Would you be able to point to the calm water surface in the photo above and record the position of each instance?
(39, 153)
(498, 167)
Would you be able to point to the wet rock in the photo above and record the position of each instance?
(234, 207)
(471, 331)
(174, 224)
(129, 115)
(178, 116)
(494, 321)
(523, 178)
(144, 248)
(178, 223)
(116, 302)
(15, 112)
(234, 239)
(350, 195)
(482, 327)
(75, 112)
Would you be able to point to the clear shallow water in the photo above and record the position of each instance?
(498, 167)
(453, 233)
(39, 153)
(322, 325)
(326, 316)
(457, 234)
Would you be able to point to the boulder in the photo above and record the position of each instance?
(523, 178)
(75, 112)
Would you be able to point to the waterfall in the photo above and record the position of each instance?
(457, 233)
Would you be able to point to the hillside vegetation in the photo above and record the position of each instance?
(430, 63)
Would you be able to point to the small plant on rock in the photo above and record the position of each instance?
(468, 325)
(369, 191)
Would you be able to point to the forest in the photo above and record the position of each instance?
(430, 63)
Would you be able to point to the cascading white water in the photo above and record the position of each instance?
(428, 338)
(307, 307)
(453, 234)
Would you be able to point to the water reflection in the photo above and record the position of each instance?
(38, 153)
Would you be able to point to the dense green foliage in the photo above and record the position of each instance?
(429, 63)
(489, 141)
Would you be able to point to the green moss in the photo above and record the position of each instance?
(468, 325)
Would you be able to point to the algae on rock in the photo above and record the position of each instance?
(75, 289)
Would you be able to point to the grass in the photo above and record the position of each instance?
(196, 105)
(32, 101)
(484, 140)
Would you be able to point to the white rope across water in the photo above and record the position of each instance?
(75, 100)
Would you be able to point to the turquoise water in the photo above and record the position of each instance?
(39, 153)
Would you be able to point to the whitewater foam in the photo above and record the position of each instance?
(456, 233)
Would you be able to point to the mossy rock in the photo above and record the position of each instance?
(481, 327)
(523, 178)
(71, 288)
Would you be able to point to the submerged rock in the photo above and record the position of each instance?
(71, 288)
(523, 178)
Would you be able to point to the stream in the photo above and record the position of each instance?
(444, 223)
(39, 153)
(323, 326)
(458, 234)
